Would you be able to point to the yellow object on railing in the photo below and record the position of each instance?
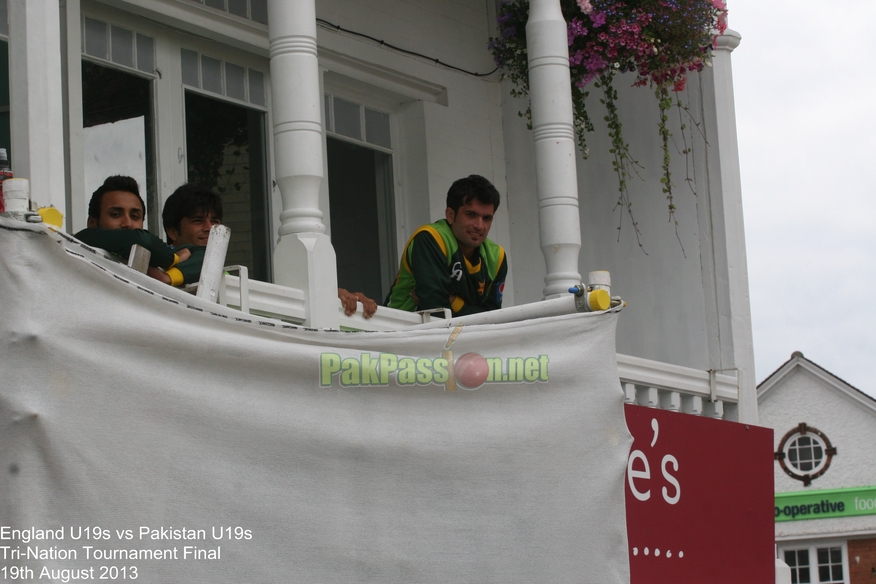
(52, 216)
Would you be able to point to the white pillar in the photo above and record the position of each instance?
(36, 103)
(731, 264)
(304, 257)
(550, 90)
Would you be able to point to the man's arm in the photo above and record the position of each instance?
(493, 300)
(429, 267)
(119, 242)
(187, 271)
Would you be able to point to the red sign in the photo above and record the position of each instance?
(700, 500)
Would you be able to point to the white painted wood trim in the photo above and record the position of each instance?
(668, 377)
(35, 96)
(555, 150)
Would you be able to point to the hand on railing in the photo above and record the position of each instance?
(350, 300)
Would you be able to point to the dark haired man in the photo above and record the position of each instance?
(189, 214)
(451, 263)
(115, 223)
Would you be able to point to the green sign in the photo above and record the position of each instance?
(801, 505)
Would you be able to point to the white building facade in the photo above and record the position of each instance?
(825, 433)
(342, 119)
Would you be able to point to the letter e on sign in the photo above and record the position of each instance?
(633, 474)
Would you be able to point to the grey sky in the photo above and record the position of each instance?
(804, 86)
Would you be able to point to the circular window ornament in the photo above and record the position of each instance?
(805, 453)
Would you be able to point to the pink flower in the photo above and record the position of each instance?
(722, 22)
(587, 8)
(719, 4)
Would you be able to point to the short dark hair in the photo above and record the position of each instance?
(473, 187)
(188, 201)
(114, 183)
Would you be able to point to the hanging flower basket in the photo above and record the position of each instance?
(661, 41)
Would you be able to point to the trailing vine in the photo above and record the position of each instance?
(660, 40)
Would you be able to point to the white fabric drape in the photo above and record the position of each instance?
(125, 404)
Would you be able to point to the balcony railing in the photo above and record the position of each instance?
(678, 389)
(644, 382)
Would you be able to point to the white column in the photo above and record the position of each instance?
(731, 264)
(78, 193)
(36, 103)
(555, 149)
(304, 257)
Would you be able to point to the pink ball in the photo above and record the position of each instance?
(471, 370)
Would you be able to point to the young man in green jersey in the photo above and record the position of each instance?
(451, 263)
(189, 214)
(115, 223)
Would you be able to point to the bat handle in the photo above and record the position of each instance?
(451, 378)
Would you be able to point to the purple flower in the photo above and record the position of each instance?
(575, 29)
(598, 18)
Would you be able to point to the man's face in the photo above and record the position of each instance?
(470, 224)
(119, 210)
(193, 230)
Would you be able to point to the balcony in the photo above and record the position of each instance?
(712, 394)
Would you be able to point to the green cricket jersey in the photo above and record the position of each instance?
(433, 267)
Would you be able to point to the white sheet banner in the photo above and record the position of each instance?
(149, 435)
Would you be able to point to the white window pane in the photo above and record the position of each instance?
(377, 128)
(145, 54)
(211, 74)
(347, 122)
(96, 38)
(189, 62)
(257, 87)
(4, 23)
(258, 10)
(122, 46)
(237, 7)
(328, 114)
(235, 81)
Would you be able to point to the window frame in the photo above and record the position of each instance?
(813, 546)
(790, 438)
(376, 99)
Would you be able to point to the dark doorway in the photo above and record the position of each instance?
(362, 217)
(225, 149)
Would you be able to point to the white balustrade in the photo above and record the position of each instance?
(678, 389)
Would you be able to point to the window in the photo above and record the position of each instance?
(223, 78)
(819, 563)
(118, 132)
(226, 152)
(805, 453)
(361, 199)
(798, 561)
(117, 108)
(118, 45)
(830, 564)
(256, 10)
(4, 21)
